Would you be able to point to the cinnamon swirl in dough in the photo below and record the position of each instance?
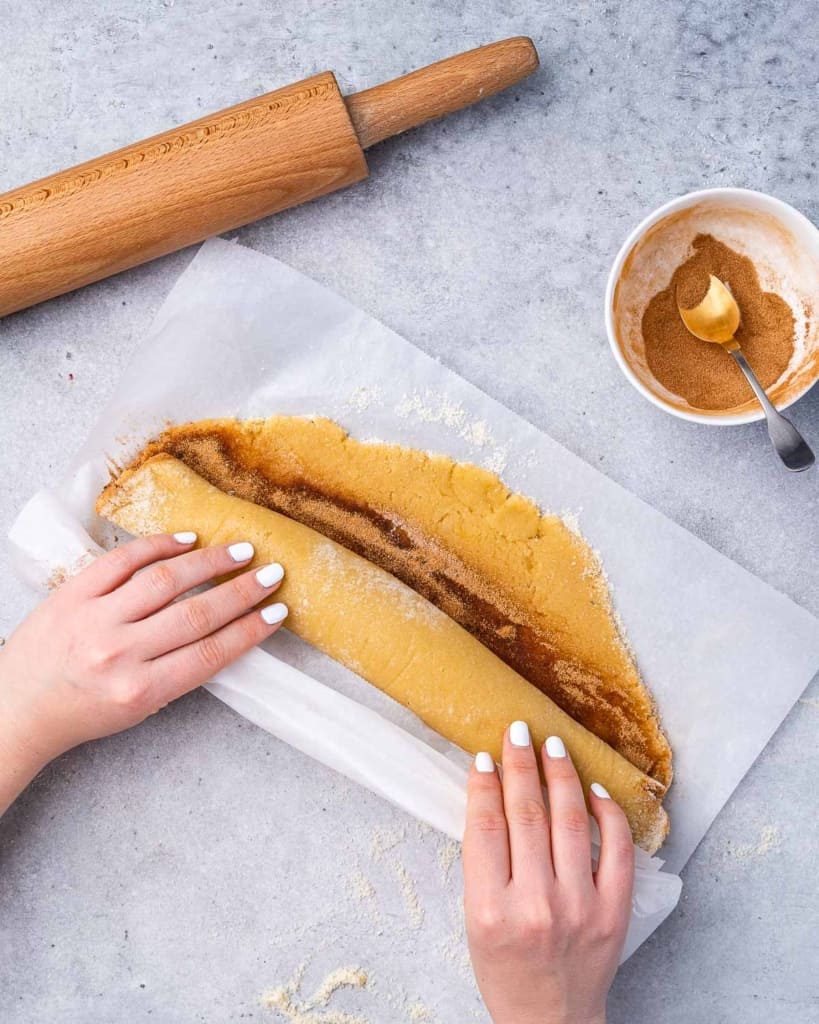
(522, 582)
(364, 616)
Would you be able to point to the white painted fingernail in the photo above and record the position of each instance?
(274, 613)
(555, 747)
(185, 537)
(269, 575)
(241, 552)
(600, 791)
(484, 762)
(519, 734)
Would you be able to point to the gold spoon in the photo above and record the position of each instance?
(716, 319)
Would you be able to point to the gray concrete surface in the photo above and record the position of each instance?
(176, 872)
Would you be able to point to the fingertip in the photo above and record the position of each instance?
(555, 749)
(603, 804)
(557, 762)
(518, 735)
(615, 832)
(484, 763)
(242, 551)
(270, 575)
(185, 537)
(274, 614)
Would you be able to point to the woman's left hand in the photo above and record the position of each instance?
(114, 644)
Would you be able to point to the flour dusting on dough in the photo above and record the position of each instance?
(329, 566)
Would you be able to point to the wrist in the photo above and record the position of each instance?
(25, 740)
(561, 1019)
(597, 1019)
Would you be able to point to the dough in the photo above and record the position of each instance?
(523, 583)
(362, 616)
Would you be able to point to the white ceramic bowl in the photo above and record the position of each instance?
(782, 243)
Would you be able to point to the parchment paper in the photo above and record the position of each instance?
(241, 334)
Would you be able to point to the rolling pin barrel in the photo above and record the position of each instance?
(223, 171)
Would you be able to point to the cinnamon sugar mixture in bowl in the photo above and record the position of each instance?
(704, 374)
(767, 253)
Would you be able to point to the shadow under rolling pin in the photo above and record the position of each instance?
(223, 171)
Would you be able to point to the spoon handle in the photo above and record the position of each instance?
(790, 446)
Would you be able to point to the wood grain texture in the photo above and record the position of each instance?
(439, 89)
(175, 189)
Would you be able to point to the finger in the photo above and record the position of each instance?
(486, 839)
(111, 570)
(159, 584)
(571, 834)
(525, 809)
(188, 667)
(185, 621)
(614, 877)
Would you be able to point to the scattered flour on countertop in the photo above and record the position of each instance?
(415, 912)
(812, 702)
(361, 888)
(478, 433)
(432, 408)
(448, 853)
(286, 999)
(361, 899)
(361, 893)
(410, 1007)
(437, 408)
(420, 1014)
(362, 398)
(342, 977)
(397, 999)
(770, 839)
(453, 948)
(386, 838)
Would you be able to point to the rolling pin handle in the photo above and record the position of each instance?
(392, 108)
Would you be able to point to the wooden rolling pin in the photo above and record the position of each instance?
(222, 171)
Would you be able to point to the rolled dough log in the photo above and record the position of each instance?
(519, 579)
(360, 615)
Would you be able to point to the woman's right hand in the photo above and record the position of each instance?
(545, 931)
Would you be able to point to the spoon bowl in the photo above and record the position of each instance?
(715, 319)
